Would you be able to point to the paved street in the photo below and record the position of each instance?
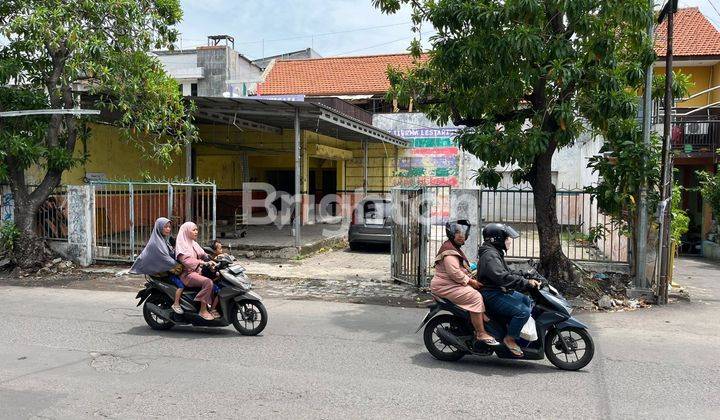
(78, 354)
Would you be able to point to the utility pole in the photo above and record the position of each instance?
(641, 286)
(666, 180)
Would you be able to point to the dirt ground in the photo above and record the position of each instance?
(340, 275)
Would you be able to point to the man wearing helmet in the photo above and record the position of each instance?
(502, 286)
(453, 281)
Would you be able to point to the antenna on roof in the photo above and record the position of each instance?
(214, 40)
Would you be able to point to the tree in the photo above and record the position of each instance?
(54, 50)
(625, 164)
(525, 78)
(710, 190)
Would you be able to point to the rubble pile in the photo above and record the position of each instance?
(608, 292)
(51, 268)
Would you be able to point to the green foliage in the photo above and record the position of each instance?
(679, 220)
(524, 77)
(54, 48)
(710, 190)
(8, 235)
(682, 83)
(627, 164)
(624, 167)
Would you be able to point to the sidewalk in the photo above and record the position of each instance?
(699, 278)
(341, 276)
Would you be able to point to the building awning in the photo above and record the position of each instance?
(277, 115)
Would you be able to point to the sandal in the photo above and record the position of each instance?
(207, 316)
(177, 309)
(215, 314)
(488, 341)
(515, 350)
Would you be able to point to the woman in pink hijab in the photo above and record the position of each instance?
(193, 258)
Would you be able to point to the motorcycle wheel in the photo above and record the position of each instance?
(434, 343)
(154, 321)
(249, 317)
(580, 348)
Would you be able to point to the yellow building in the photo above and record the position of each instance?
(253, 140)
(696, 121)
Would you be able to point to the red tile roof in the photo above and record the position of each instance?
(333, 76)
(694, 35)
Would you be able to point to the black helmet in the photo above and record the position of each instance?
(496, 233)
(452, 227)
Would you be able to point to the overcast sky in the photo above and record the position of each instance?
(290, 25)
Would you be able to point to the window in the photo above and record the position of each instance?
(180, 88)
(378, 209)
(193, 89)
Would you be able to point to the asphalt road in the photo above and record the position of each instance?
(80, 354)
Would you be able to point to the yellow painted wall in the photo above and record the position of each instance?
(219, 157)
(716, 82)
(702, 77)
(117, 159)
(382, 164)
(275, 152)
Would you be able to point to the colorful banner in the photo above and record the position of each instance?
(433, 159)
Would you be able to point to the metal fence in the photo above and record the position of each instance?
(125, 213)
(408, 245)
(586, 234)
(51, 220)
(438, 202)
(696, 136)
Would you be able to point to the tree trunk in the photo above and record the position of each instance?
(553, 263)
(29, 250)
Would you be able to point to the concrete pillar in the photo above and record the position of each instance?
(298, 184)
(80, 207)
(365, 167)
(465, 204)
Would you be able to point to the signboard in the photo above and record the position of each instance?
(432, 160)
(95, 176)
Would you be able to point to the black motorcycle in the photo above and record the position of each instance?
(238, 305)
(562, 338)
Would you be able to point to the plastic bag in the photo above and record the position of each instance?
(529, 331)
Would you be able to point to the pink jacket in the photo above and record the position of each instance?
(191, 265)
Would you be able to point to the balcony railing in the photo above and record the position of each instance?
(696, 137)
(344, 107)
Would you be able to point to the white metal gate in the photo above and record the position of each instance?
(125, 213)
(408, 253)
(419, 217)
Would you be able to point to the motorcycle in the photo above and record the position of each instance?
(565, 341)
(238, 304)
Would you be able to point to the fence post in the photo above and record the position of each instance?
(214, 211)
(463, 205)
(170, 201)
(132, 220)
(80, 204)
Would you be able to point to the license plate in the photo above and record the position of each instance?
(374, 222)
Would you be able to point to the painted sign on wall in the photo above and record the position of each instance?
(7, 204)
(432, 160)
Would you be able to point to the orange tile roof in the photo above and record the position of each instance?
(360, 75)
(693, 35)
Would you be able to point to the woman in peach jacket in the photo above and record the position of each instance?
(453, 281)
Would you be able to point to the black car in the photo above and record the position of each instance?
(370, 223)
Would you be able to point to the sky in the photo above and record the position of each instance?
(291, 25)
